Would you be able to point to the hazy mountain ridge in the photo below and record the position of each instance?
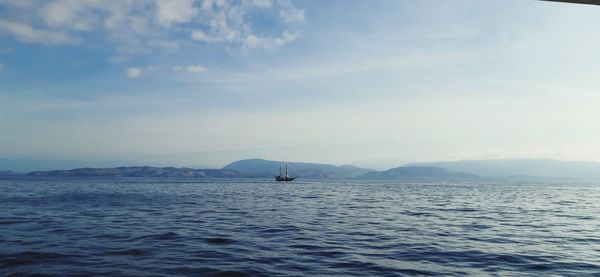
(268, 168)
(468, 170)
(420, 174)
(30, 165)
(253, 168)
(9, 173)
(529, 168)
(140, 171)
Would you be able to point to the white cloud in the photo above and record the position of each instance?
(175, 11)
(28, 34)
(196, 68)
(253, 42)
(261, 3)
(292, 15)
(138, 26)
(161, 69)
(56, 14)
(200, 36)
(70, 14)
(190, 69)
(224, 22)
(134, 72)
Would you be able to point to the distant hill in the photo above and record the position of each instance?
(467, 170)
(28, 165)
(140, 171)
(532, 168)
(9, 173)
(267, 169)
(239, 169)
(420, 174)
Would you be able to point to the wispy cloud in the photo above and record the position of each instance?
(334, 67)
(28, 34)
(136, 25)
(134, 72)
(190, 69)
(252, 41)
(137, 71)
(226, 22)
(175, 11)
(291, 14)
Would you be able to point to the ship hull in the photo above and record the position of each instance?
(284, 179)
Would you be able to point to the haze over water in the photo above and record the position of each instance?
(250, 228)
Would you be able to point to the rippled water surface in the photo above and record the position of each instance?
(251, 228)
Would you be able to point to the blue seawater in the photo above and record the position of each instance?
(168, 227)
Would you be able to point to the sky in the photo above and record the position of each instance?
(373, 83)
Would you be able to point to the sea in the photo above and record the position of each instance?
(191, 227)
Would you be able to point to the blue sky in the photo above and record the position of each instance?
(200, 83)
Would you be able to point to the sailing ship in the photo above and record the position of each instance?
(285, 178)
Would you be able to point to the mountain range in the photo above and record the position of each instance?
(140, 171)
(420, 174)
(466, 170)
(9, 173)
(267, 168)
(523, 169)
